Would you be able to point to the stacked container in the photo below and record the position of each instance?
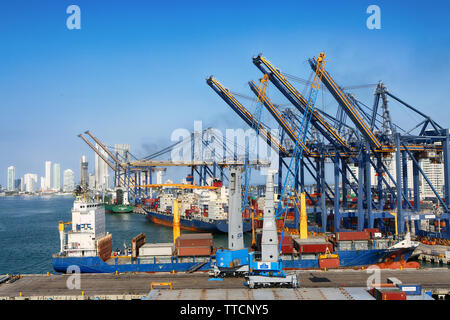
(195, 244)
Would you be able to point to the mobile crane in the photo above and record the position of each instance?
(269, 271)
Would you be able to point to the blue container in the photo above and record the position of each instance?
(411, 289)
(226, 257)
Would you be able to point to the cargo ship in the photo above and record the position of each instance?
(89, 247)
(201, 210)
(118, 203)
(118, 208)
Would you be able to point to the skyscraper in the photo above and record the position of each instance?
(101, 170)
(30, 181)
(84, 176)
(42, 184)
(11, 177)
(69, 180)
(48, 169)
(91, 181)
(18, 184)
(57, 176)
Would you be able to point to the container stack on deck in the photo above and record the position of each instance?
(196, 244)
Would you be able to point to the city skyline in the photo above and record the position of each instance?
(29, 181)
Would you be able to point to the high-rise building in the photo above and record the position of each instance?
(101, 170)
(91, 181)
(69, 180)
(57, 176)
(18, 184)
(42, 184)
(48, 174)
(30, 181)
(11, 177)
(122, 152)
(84, 176)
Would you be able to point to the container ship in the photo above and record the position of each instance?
(88, 246)
(118, 203)
(202, 210)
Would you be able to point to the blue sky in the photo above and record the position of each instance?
(136, 70)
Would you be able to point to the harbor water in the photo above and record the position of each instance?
(29, 231)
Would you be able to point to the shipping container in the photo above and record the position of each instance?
(194, 251)
(156, 249)
(104, 247)
(195, 240)
(361, 244)
(315, 248)
(374, 286)
(329, 263)
(389, 294)
(354, 235)
(411, 289)
(136, 243)
(345, 245)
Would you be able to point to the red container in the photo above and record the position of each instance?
(346, 236)
(372, 231)
(374, 286)
(195, 240)
(315, 247)
(193, 251)
(329, 263)
(389, 294)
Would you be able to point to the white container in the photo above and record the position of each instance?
(156, 249)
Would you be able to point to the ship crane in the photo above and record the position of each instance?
(269, 270)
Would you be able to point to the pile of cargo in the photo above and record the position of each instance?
(194, 244)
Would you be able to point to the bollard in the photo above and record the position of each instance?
(48, 274)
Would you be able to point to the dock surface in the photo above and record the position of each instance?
(197, 285)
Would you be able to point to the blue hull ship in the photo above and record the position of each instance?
(193, 224)
(347, 258)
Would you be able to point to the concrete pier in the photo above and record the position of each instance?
(137, 286)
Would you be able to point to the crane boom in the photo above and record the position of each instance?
(288, 90)
(245, 115)
(288, 189)
(345, 103)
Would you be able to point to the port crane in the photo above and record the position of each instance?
(247, 168)
(269, 270)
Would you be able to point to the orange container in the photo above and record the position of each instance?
(329, 263)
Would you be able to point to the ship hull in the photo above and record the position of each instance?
(213, 226)
(96, 265)
(348, 259)
(110, 208)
